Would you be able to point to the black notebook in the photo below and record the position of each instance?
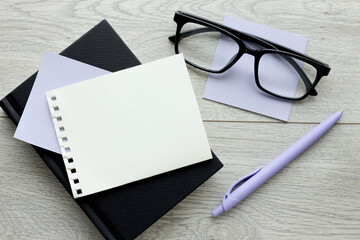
(123, 212)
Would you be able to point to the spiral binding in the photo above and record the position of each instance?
(64, 144)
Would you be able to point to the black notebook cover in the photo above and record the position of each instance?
(123, 212)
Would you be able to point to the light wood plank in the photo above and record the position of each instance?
(33, 204)
(315, 197)
(30, 28)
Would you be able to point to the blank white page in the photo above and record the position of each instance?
(128, 125)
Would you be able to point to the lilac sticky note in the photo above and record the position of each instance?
(237, 87)
(36, 126)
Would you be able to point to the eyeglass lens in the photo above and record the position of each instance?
(290, 77)
(198, 44)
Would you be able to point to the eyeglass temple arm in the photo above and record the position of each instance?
(303, 76)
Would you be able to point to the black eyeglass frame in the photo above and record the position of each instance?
(181, 18)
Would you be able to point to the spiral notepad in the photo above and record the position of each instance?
(128, 125)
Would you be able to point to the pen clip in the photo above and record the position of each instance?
(241, 181)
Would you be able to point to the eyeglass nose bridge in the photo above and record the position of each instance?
(251, 51)
(245, 49)
(248, 50)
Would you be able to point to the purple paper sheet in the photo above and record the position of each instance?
(36, 126)
(237, 87)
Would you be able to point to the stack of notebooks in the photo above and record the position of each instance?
(128, 145)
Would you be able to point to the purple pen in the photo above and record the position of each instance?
(246, 185)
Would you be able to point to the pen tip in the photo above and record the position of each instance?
(218, 210)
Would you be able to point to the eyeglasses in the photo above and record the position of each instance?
(294, 75)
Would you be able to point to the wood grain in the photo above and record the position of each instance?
(315, 197)
(28, 28)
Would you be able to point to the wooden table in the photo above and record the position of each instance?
(315, 197)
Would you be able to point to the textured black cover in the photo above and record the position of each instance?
(123, 212)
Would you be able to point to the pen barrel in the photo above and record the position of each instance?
(278, 163)
(301, 145)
